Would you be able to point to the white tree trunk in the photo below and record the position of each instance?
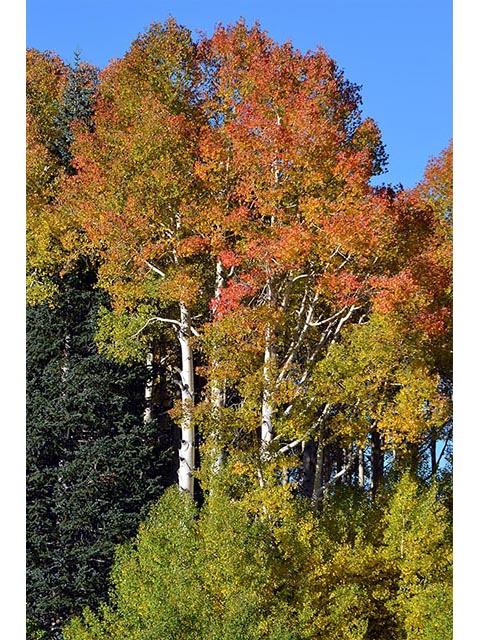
(266, 436)
(218, 388)
(317, 482)
(218, 392)
(361, 469)
(267, 405)
(187, 448)
(147, 414)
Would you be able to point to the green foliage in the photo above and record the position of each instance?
(76, 106)
(378, 375)
(120, 336)
(33, 632)
(356, 571)
(418, 541)
(93, 466)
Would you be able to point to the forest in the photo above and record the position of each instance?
(239, 352)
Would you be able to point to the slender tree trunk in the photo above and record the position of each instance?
(218, 389)
(361, 469)
(309, 456)
(267, 406)
(350, 462)
(377, 461)
(187, 448)
(266, 432)
(269, 360)
(341, 463)
(413, 457)
(433, 455)
(318, 478)
(147, 414)
(218, 403)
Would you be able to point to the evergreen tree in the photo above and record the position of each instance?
(77, 105)
(93, 463)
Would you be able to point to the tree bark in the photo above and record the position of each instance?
(309, 456)
(433, 454)
(218, 389)
(377, 461)
(267, 406)
(147, 414)
(318, 478)
(187, 448)
(361, 469)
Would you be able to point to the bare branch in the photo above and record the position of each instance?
(155, 319)
(334, 317)
(289, 287)
(342, 472)
(167, 320)
(299, 336)
(194, 331)
(315, 425)
(447, 440)
(345, 318)
(290, 445)
(154, 268)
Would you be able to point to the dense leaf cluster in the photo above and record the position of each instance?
(356, 571)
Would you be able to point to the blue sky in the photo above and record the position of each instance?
(400, 51)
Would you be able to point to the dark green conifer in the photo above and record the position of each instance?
(93, 464)
(77, 105)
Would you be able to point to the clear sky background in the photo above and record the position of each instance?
(399, 51)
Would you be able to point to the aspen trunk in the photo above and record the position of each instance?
(147, 414)
(361, 469)
(267, 406)
(377, 461)
(266, 434)
(308, 472)
(433, 455)
(187, 448)
(341, 463)
(267, 403)
(317, 482)
(218, 390)
(218, 402)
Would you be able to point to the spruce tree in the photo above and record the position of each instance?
(93, 464)
(77, 105)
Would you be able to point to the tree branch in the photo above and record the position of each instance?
(334, 317)
(338, 475)
(154, 268)
(167, 320)
(289, 286)
(447, 440)
(316, 424)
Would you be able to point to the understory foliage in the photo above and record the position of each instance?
(291, 320)
(228, 571)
